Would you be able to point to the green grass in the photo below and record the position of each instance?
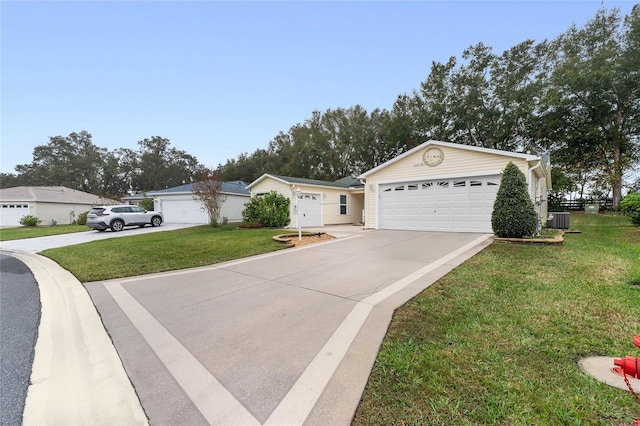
(497, 340)
(7, 234)
(162, 251)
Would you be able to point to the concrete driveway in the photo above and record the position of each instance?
(286, 338)
(34, 245)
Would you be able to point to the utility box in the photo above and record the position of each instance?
(558, 220)
(591, 208)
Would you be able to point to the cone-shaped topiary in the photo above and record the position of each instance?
(513, 213)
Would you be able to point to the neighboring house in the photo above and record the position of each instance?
(320, 202)
(50, 204)
(178, 204)
(437, 186)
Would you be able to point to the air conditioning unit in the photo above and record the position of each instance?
(558, 220)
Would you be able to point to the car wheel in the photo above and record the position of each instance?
(156, 221)
(117, 225)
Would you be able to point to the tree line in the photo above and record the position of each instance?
(576, 97)
(76, 162)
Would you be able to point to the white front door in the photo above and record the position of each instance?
(310, 206)
(453, 205)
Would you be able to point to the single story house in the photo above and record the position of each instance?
(319, 202)
(436, 186)
(178, 204)
(51, 204)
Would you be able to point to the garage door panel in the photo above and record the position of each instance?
(11, 213)
(461, 204)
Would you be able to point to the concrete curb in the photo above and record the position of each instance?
(77, 376)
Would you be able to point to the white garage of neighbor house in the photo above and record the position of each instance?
(178, 204)
(437, 186)
(320, 202)
(50, 204)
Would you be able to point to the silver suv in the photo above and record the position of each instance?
(117, 217)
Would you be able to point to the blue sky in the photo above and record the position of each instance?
(222, 78)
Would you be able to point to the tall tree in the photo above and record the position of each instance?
(159, 165)
(72, 161)
(594, 96)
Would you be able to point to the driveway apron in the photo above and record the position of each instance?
(284, 338)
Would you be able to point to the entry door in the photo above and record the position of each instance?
(310, 206)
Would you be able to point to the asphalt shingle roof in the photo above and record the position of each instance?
(231, 187)
(51, 194)
(347, 182)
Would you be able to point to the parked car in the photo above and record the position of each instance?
(117, 217)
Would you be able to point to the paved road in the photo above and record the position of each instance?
(35, 245)
(278, 339)
(19, 319)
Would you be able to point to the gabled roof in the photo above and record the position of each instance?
(344, 183)
(51, 194)
(526, 157)
(229, 187)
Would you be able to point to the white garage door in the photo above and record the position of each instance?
(183, 211)
(453, 205)
(310, 209)
(10, 214)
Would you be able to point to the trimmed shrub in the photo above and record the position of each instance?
(82, 218)
(147, 204)
(513, 213)
(630, 206)
(29, 220)
(270, 210)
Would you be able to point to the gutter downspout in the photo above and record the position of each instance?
(538, 202)
(364, 206)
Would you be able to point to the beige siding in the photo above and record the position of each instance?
(330, 206)
(60, 212)
(268, 184)
(457, 162)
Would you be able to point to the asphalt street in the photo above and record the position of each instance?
(19, 319)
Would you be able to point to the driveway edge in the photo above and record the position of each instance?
(77, 375)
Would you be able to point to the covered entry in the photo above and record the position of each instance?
(454, 205)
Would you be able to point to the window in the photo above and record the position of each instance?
(427, 185)
(459, 183)
(476, 183)
(399, 188)
(412, 187)
(443, 184)
(343, 204)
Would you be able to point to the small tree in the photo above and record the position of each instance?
(270, 210)
(207, 188)
(147, 203)
(513, 213)
(630, 206)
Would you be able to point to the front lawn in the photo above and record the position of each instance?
(497, 340)
(7, 234)
(162, 251)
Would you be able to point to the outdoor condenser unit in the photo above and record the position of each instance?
(558, 220)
